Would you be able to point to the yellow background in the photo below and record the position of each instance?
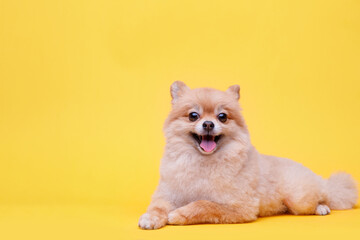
(84, 91)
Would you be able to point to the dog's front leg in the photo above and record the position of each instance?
(203, 211)
(156, 215)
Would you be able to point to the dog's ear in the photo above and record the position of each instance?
(177, 89)
(234, 90)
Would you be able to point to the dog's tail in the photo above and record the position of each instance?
(341, 191)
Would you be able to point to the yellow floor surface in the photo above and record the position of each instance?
(115, 222)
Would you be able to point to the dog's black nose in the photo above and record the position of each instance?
(208, 125)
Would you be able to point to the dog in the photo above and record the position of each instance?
(211, 173)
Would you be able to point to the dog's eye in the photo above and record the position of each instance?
(222, 117)
(193, 116)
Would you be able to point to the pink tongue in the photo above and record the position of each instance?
(207, 144)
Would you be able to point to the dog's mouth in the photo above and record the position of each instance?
(207, 143)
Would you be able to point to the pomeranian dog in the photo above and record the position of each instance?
(211, 173)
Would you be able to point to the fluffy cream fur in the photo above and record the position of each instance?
(234, 183)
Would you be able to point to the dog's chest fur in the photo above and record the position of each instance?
(189, 177)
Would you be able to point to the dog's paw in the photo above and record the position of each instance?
(151, 221)
(322, 210)
(176, 217)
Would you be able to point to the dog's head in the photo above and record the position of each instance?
(205, 119)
